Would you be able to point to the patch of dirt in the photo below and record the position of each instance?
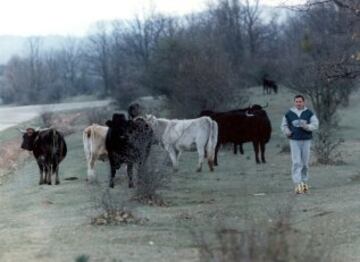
(11, 156)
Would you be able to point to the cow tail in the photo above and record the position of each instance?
(55, 148)
(212, 140)
(88, 138)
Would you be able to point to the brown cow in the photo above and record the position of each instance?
(94, 147)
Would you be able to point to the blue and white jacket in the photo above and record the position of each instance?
(299, 124)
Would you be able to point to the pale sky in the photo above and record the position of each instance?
(74, 17)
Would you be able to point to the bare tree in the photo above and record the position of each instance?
(320, 68)
(35, 68)
(98, 54)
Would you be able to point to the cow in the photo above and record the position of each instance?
(176, 136)
(94, 147)
(239, 126)
(134, 110)
(127, 142)
(49, 149)
(269, 85)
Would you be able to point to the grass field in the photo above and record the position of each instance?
(53, 223)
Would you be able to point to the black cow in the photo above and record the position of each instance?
(134, 110)
(269, 85)
(241, 126)
(128, 142)
(49, 149)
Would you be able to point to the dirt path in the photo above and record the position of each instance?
(11, 116)
(24, 229)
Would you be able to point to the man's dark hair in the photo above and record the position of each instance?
(299, 96)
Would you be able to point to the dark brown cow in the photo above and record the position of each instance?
(241, 126)
(49, 149)
(269, 85)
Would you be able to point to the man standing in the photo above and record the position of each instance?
(298, 124)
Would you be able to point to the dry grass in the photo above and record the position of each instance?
(275, 241)
(114, 217)
(11, 156)
(62, 122)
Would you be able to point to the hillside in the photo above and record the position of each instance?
(53, 223)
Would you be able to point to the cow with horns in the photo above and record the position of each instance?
(49, 149)
(239, 126)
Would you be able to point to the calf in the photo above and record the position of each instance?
(49, 149)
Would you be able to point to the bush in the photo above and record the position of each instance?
(152, 176)
(273, 240)
(98, 116)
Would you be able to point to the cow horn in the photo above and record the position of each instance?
(265, 106)
(249, 115)
(21, 130)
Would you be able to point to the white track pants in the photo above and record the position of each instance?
(300, 155)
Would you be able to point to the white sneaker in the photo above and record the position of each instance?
(305, 187)
(299, 189)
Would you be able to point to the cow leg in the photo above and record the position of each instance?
(256, 150)
(173, 158)
(235, 149)
(57, 180)
(41, 168)
(48, 175)
(130, 174)
(262, 150)
(241, 148)
(91, 169)
(201, 152)
(50, 172)
(178, 154)
(112, 171)
(216, 154)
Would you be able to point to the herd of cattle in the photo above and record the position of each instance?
(129, 141)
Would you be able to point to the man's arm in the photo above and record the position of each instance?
(284, 127)
(313, 125)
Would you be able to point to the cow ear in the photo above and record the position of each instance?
(108, 123)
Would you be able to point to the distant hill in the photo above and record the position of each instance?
(17, 45)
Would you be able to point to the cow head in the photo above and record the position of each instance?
(150, 119)
(117, 121)
(134, 110)
(257, 110)
(29, 136)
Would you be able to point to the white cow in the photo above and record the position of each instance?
(94, 146)
(176, 136)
